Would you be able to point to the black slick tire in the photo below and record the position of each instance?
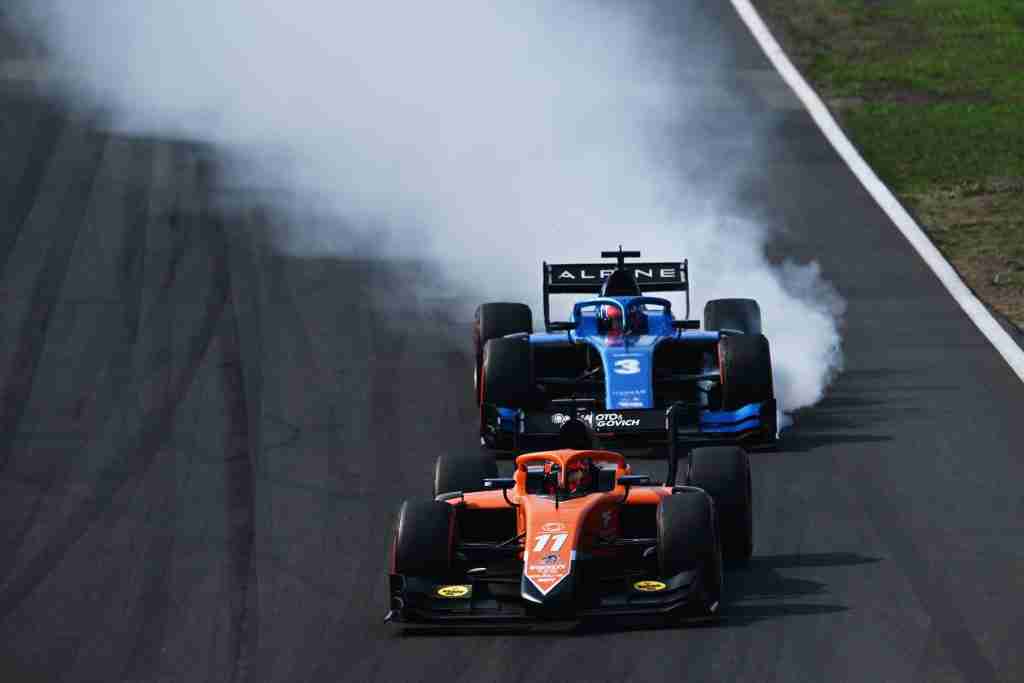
(745, 364)
(423, 538)
(724, 473)
(507, 372)
(688, 540)
(463, 472)
(741, 315)
(493, 321)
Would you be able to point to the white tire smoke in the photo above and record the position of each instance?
(485, 136)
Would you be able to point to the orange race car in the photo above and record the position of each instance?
(572, 534)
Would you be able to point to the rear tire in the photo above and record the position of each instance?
(507, 373)
(493, 321)
(745, 363)
(742, 315)
(688, 540)
(724, 472)
(423, 538)
(463, 472)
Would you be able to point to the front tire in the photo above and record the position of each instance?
(724, 472)
(423, 538)
(688, 540)
(463, 472)
(493, 321)
(745, 364)
(507, 374)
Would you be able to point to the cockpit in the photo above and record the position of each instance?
(616, 318)
(577, 477)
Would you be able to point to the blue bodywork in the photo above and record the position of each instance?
(627, 355)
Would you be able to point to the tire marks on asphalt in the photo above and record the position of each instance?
(154, 606)
(151, 612)
(240, 493)
(116, 374)
(42, 149)
(31, 336)
(55, 467)
(135, 452)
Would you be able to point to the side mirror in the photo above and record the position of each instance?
(500, 483)
(561, 327)
(634, 480)
(686, 324)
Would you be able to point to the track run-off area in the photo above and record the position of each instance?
(203, 441)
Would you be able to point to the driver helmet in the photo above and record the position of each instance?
(612, 316)
(578, 477)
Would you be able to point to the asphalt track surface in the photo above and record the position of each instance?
(201, 450)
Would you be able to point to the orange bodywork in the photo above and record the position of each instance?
(552, 534)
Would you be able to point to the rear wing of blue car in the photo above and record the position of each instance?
(588, 278)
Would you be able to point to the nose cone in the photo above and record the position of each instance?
(552, 536)
(550, 553)
(552, 590)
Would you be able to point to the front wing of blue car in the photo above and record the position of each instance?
(752, 424)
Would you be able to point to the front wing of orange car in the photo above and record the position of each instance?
(506, 600)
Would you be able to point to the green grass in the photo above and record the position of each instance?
(944, 48)
(932, 93)
(941, 84)
(914, 147)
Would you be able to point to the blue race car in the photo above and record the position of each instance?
(623, 362)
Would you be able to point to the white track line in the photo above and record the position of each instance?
(976, 310)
